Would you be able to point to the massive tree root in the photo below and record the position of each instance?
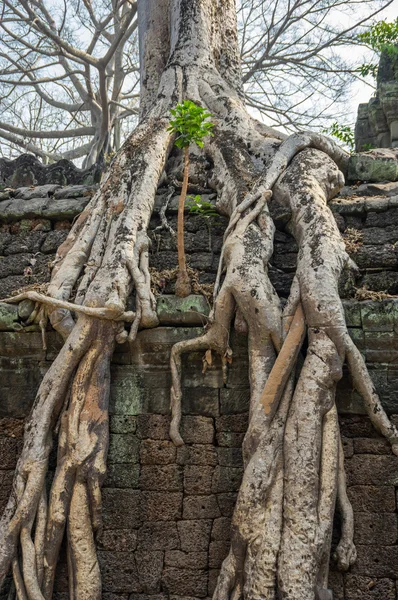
(294, 468)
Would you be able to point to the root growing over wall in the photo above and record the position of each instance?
(294, 468)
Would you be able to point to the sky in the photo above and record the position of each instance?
(361, 92)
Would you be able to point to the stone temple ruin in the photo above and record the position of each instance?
(377, 122)
(166, 510)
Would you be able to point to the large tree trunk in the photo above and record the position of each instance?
(294, 469)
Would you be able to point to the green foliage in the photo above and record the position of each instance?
(381, 37)
(366, 147)
(367, 69)
(190, 124)
(344, 133)
(197, 206)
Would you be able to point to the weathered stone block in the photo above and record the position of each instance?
(193, 378)
(221, 530)
(157, 452)
(232, 423)
(358, 587)
(119, 572)
(198, 479)
(158, 536)
(127, 396)
(122, 476)
(197, 430)
(172, 310)
(372, 446)
(161, 506)
(186, 560)
(166, 478)
(200, 507)
(356, 426)
(122, 424)
(9, 319)
(197, 454)
(155, 427)
(149, 567)
(217, 552)
(10, 449)
(118, 540)
(376, 165)
(213, 577)
(378, 529)
(227, 503)
(378, 316)
(194, 535)
(348, 447)
(336, 584)
(184, 582)
(380, 561)
(226, 479)
(369, 498)
(121, 507)
(230, 457)
(200, 401)
(234, 401)
(229, 439)
(5, 488)
(372, 470)
(123, 448)
(11, 427)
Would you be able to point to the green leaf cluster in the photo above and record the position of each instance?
(381, 37)
(344, 133)
(190, 124)
(197, 206)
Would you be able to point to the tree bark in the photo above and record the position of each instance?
(294, 469)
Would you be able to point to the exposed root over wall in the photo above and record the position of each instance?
(294, 470)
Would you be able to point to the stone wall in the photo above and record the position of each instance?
(166, 510)
(35, 221)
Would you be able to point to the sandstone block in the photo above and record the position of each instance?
(161, 478)
(123, 448)
(372, 470)
(358, 587)
(121, 507)
(197, 454)
(150, 567)
(197, 430)
(227, 503)
(226, 479)
(200, 507)
(122, 476)
(157, 452)
(119, 572)
(185, 560)
(234, 401)
(194, 535)
(159, 535)
(197, 479)
(376, 528)
(185, 582)
(162, 506)
(221, 530)
(217, 552)
(371, 498)
(118, 540)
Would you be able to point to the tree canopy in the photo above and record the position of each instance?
(69, 72)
